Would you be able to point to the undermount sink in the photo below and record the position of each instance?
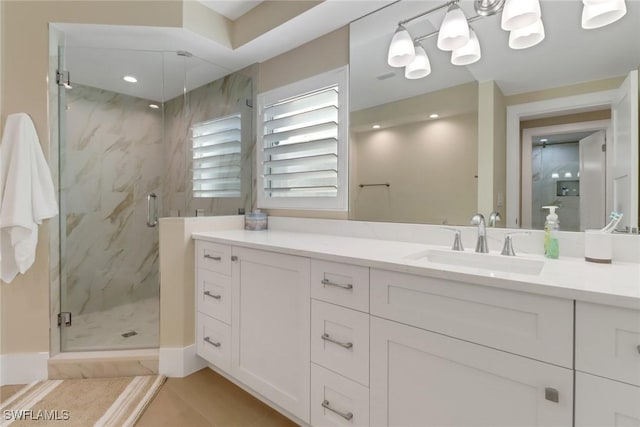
(489, 262)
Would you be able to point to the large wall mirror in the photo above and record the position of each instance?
(512, 132)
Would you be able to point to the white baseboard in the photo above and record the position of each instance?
(23, 368)
(179, 362)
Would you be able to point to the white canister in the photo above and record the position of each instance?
(598, 246)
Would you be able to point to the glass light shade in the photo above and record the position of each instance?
(469, 53)
(528, 36)
(401, 50)
(518, 14)
(420, 66)
(454, 31)
(598, 13)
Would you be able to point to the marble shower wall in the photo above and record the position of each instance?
(223, 97)
(113, 158)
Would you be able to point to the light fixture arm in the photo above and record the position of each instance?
(435, 9)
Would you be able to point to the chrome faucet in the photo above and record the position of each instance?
(493, 218)
(481, 244)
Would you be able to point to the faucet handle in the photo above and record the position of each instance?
(507, 249)
(457, 241)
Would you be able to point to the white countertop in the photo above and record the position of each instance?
(615, 284)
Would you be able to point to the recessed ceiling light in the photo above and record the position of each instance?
(376, 126)
(434, 116)
(154, 106)
(567, 175)
(544, 140)
(129, 79)
(555, 175)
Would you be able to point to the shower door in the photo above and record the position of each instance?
(111, 172)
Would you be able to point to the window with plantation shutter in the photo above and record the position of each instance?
(302, 144)
(216, 157)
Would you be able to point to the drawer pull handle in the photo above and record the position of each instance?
(551, 394)
(213, 343)
(348, 416)
(328, 282)
(215, 258)
(209, 294)
(326, 337)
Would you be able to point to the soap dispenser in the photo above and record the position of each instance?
(551, 227)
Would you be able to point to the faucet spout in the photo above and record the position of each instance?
(481, 244)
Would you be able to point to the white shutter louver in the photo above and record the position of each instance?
(216, 157)
(302, 137)
(301, 145)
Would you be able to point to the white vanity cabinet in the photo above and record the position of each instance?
(607, 366)
(444, 364)
(271, 324)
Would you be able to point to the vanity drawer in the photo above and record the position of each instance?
(342, 284)
(213, 257)
(608, 341)
(337, 401)
(340, 340)
(213, 295)
(530, 325)
(213, 341)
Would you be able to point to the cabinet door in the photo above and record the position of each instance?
(271, 324)
(419, 378)
(603, 402)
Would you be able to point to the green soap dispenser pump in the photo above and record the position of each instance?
(551, 227)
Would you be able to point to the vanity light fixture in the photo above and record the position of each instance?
(420, 66)
(528, 36)
(469, 53)
(454, 31)
(523, 18)
(568, 175)
(130, 79)
(154, 106)
(433, 116)
(376, 126)
(555, 175)
(598, 13)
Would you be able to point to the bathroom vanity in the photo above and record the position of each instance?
(336, 331)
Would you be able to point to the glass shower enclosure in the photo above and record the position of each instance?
(124, 161)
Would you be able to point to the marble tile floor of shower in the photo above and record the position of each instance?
(103, 330)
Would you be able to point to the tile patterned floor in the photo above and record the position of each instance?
(102, 330)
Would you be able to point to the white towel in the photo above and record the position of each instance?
(27, 196)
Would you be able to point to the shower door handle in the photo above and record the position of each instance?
(152, 210)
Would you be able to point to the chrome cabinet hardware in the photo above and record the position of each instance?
(347, 416)
(152, 215)
(213, 343)
(215, 258)
(209, 294)
(328, 282)
(551, 394)
(326, 337)
(234, 258)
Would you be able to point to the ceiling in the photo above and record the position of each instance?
(232, 9)
(568, 54)
(100, 55)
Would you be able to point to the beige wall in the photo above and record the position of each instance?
(177, 270)
(570, 90)
(25, 31)
(569, 118)
(325, 53)
(431, 166)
